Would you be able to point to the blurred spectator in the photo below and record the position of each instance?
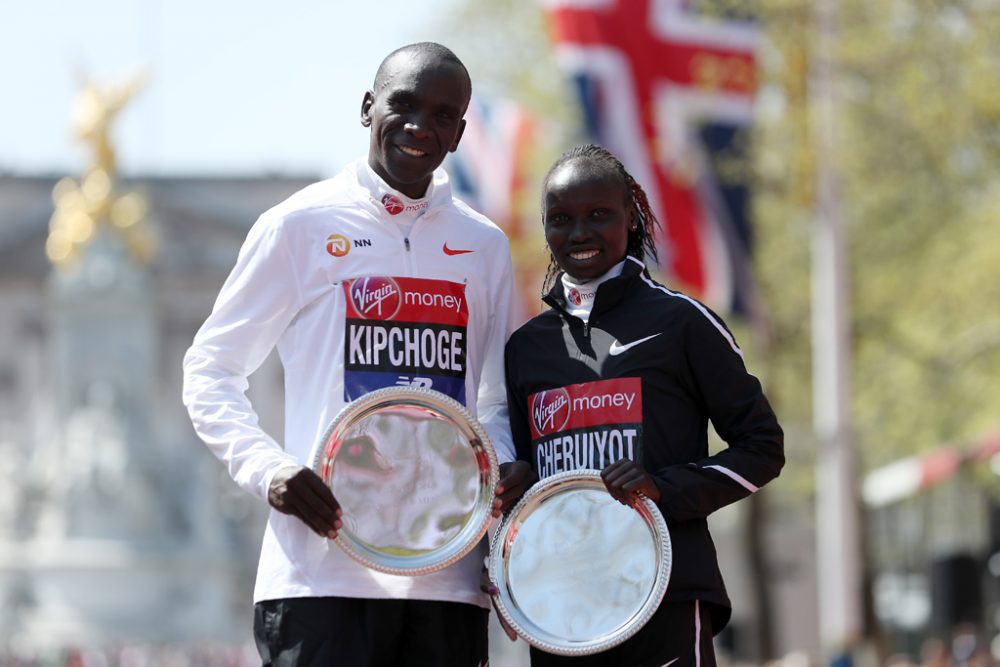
(933, 653)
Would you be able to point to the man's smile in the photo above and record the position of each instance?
(412, 152)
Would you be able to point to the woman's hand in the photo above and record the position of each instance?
(487, 586)
(515, 478)
(626, 479)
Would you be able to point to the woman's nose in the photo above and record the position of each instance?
(579, 231)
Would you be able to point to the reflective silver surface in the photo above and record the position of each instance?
(577, 571)
(414, 473)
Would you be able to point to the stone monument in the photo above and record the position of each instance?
(117, 546)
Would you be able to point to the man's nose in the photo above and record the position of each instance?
(417, 125)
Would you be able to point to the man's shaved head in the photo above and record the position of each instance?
(427, 51)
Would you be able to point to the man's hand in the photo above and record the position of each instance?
(515, 479)
(300, 492)
(487, 586)
(626, 479)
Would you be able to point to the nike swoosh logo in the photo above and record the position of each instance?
(617, 348)
(667, 664)
(449, 251)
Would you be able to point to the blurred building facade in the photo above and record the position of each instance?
(116, 524)
(934, 558)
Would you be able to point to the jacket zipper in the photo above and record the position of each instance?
(586, 325)
(406, 242)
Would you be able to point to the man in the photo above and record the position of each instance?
(312, 279)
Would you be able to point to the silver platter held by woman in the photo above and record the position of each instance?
(414, 473)
(577, 571)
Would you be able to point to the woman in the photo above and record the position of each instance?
(624, 375)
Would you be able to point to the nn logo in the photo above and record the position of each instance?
(337, 245)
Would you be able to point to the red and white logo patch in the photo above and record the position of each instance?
(392, 204)
(376, 297)
(586, 405)
(550, 410)
(573, 296)
(586, 425)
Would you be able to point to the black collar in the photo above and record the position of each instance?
(609, 292)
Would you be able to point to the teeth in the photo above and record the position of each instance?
(412, 151)
(586, 254)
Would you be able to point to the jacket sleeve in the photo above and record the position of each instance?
(734, 402)
(517, 405)
(255, 305)
(491, 403)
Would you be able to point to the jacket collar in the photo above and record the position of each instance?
(609, 292)
(387, 203)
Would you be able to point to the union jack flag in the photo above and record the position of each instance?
(489, 173)
(668, 87)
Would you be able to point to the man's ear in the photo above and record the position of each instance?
(366, 108)
(458, 137)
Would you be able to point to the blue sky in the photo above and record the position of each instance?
(234, 87)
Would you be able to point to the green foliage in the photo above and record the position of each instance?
(917, 153)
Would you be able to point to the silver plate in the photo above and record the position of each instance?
(577, 571)
(414, 474)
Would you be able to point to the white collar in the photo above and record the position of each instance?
(393, 203)
(580, 295)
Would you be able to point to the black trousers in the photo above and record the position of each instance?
(344, 632)
(679, 635)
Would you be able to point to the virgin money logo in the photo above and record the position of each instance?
(574, 296)
(392, 203)
(376, 297)
(550, 410)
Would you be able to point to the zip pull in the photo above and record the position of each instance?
(406, 242)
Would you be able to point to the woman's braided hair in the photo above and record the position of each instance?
(641, 241)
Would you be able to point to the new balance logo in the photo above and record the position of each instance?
(617, 348)
(416, 381)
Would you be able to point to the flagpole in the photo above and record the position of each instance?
(837, 534)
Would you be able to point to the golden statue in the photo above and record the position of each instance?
(82, 207)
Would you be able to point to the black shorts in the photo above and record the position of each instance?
(343, 632)
(679, 635)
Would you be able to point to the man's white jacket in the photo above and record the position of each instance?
(358, 287)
